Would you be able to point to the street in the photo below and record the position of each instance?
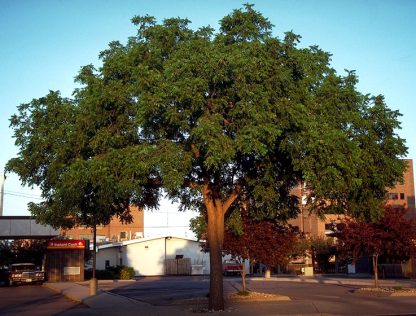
(165, 290)
(335, 299)
(176, 296)
(36, 300)
(306, 298)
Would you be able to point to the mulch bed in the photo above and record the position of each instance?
(387, 291)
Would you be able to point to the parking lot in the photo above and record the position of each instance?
(305, 297)
(36, 300)
(186, 295)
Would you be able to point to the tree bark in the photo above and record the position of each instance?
(243, 276)
(215, 240)
(93, 281)
(375, 269)
(216, 210)
(94, 254)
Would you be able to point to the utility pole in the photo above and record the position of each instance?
(1, 193)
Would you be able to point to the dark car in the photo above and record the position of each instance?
(23, 273)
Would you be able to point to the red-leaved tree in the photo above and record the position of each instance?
(394, 234)
(263, 241)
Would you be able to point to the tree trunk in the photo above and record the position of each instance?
(93, 281)
(215, 240)
(375, 269)
(243, 276)
(94, 254)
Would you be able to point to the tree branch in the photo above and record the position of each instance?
(195, 151)
(230, 200)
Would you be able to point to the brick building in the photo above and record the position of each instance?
(404, 193)
(115, 231)
(401, 194)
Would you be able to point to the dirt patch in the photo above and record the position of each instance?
(235, 297)
(256, 296)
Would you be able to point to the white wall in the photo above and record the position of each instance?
(147, 256)
(111, 254)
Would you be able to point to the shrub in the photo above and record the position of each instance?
(105, 275)
(111, 273)
(126, 273)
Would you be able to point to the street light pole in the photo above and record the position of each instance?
(1, 193)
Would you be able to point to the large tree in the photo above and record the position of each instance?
(217, 120)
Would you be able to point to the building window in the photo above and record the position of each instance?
(392, 196)
(123, 235)
(107, 264)
(401, 196)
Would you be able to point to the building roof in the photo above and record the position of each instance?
(140, 240)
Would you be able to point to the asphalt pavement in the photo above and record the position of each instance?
(108, 302)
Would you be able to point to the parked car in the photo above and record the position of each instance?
(20, 273)
(230, 267)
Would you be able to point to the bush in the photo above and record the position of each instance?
(105, 275)
(126, 273)
(100, 274)
(111, 273)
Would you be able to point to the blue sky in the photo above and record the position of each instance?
(44, 44)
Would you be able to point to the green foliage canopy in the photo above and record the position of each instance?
(239, 109)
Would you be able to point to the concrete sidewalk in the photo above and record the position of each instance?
(107, 303)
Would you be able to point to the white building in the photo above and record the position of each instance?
(148, 255)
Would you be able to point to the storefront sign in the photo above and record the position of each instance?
(72, 270)
(66, 244)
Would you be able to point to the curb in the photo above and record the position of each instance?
(359, 282)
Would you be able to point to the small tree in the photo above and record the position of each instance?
(20, 251)
(6, 253)
(392, 235)
(265, 241)
(57, 154)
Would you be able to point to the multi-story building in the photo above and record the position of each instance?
(114, 232)
(402, 194)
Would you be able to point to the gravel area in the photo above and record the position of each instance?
(256, 296)
(387, 291)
